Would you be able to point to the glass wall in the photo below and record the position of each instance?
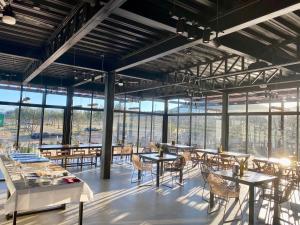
(213, 131)
(237, 133)
(81, 126)
(8, 126)
(198, 131)
(53, 126)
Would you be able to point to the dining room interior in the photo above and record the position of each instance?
(153, 112)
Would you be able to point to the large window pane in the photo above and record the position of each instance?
(98, 102)
(237, 102)
(237, 134)
(118, 127)
(10, 93)
(284, 135)
(184, 130)
(172, 128)
(32, 95)
(8, 126)
(81, 126)
(173, 106)
(214, 104)
(258, 102)
(81, 100)
(198, 131)
(29, 128)
(131, 128)
(184, 105)
(284, 100)
(213, 131)
(53, 126)
(145, 130)
(198, 105)
(258, 135)
(132, 104)
(158, 106)
(157, 124)
(97, 127)
(146, 106)
(119, 103)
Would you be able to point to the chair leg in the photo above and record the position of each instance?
(224, 214)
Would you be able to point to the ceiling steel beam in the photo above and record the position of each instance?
(62, 44)
(231, 22)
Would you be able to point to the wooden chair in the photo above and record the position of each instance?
(127, 152)
(46, 154)
(138, 165)
(76, 155)
(61, 156)
(175, 168)
(222, 190)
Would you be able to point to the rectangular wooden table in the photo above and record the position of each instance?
(159, 163)
(251, 179)
(68, 147)
(178, 147)
(34, 187)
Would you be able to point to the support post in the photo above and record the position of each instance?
(165, 124)
(67, 127)
(225, 122)
(108, 124)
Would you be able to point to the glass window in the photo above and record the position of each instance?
(258, 135)
(284, 135)
(173, 106)
(146, 106)
(131, 128)
(158, 106)
(98, 102)
(237, 134)
(80, 100)
(213, 131)
(284, 100)
(237, 102)
(214, 104)
(119, 103)
(10, 93)
(132, 104)
(145, 130)
(97, 127)
(184, 130)
(258, 102)
(157, 124)
(198, 105)
(58, 98)
(117, 127)
(184, 105)
(172, 128)
(198, 131)
(81, 126)
(32, 95)
(30, 122)
(53, 126)
(8, 126)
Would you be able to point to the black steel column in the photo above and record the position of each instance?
(67, 126)
(165, 124)
(225, 121)
(108, 125)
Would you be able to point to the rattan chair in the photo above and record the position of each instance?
(224, 191)
(175, 168)
(126, 152)
(139, 166)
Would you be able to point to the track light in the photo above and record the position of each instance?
(180, 26)
(121, 83)
(206, 35)
(192, 33)
(8, 16)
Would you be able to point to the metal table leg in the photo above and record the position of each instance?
(276, 220)
(15, 218)
(80, 213)
(157, 173)
(251, 204)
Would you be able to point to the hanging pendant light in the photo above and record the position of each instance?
(206, 35)
(180, 28)
(8, 15)
(192, 33)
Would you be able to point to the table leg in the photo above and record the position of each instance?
(251, 205)
(15, 218)
(181, 176)
(139, 175)
(157, 174)
(276, 206)
(161, 171)
(80, 213)
(211, 200)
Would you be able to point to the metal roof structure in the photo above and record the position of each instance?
(253, 44)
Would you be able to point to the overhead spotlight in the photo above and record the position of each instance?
(180, 28)
(206, 35)
(121, 83)
(8, 15)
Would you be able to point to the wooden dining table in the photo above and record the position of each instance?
(177, 147)
(154, 157)
(252, 180)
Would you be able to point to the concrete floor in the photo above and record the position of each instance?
(119, 202)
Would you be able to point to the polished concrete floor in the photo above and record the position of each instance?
(119, 202)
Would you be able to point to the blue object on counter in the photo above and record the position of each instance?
(27, 158)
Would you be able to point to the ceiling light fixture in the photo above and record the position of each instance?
(121, 83)
(206, 35)
(180, 28)
(192, 33)
(8, 16)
